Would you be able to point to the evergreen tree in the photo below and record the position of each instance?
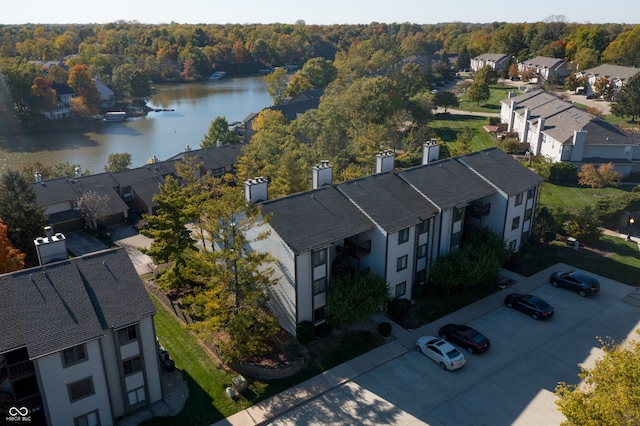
(24, 218)
(230, 280)
(627, 100)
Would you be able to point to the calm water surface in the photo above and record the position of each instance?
(162, 134)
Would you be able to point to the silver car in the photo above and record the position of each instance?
(441, 351)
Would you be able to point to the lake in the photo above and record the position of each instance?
(163, 133)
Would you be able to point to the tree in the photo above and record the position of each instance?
(297, 83)
(231, 280)
(10, 258)
(139, 85)
(277, 83)
(463, 145)
(44, 95)
(219, 132)
(603, 88)
(584, 225)
(604, 175)
(118, 162)
(479, 92)
(87, 99)
(19, 210)
(319, 72)
(627, 100)
(609, 393)
(353, 299)
(477, 263)
(445, 99)
(513, 70)
(94, 207)
(487, 75)
(172, 240)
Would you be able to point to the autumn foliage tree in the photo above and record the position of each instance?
(604, 175)
(87, 98)
(609, 393)
(11, 259)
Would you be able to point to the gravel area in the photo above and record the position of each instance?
(175, 392)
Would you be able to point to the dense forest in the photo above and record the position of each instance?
(370, 93)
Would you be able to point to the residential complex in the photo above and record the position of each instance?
(78, 340)
(393, 223)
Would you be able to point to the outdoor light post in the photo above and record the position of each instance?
(631, 221)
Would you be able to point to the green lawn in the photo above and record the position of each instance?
(621, 265)
(575, 196)
(207, 402)
(449, 127)
(207, 380)
(499, 92)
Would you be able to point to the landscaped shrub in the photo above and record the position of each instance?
(494, 121)
(397, 306)
(323, 330)
(305, 332)
(384, 328)
(418, 291)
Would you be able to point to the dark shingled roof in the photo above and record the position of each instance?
(389, 201)
(502, 170)
(447, 183)
(312, 219)
(63, 304)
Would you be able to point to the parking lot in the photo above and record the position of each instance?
(511, 384)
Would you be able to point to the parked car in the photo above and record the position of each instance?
(463, 335)
(583, 284)
(530, 305)
(441, 351)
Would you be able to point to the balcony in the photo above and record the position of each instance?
(480, 210)
(358, 250)
(20, 369)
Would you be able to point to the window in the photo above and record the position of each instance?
(527, 214)
(131, 365)
(515, 223)
(518, 199)
(455, 239)
(512, 245)
(74, 355)
(531, 193)
(80, 389)
(319, 314)
(319, 258)
(320, 285)
(423, 226)
(89, 419)
(421, 276)
(128, 334)
(457, 215)
(403, 236)
(422, 251)
(402, 263)
(401, 289)
(136, 396)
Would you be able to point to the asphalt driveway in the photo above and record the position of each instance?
(511, 384)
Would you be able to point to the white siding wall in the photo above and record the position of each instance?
(496, 218)
(375, 261)
(445, 232)
(550, 148)
(151, 366)
(283, 293)
(111, 365)
(54, 380)
(512, 213)
(395, 277)
(305, 287)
